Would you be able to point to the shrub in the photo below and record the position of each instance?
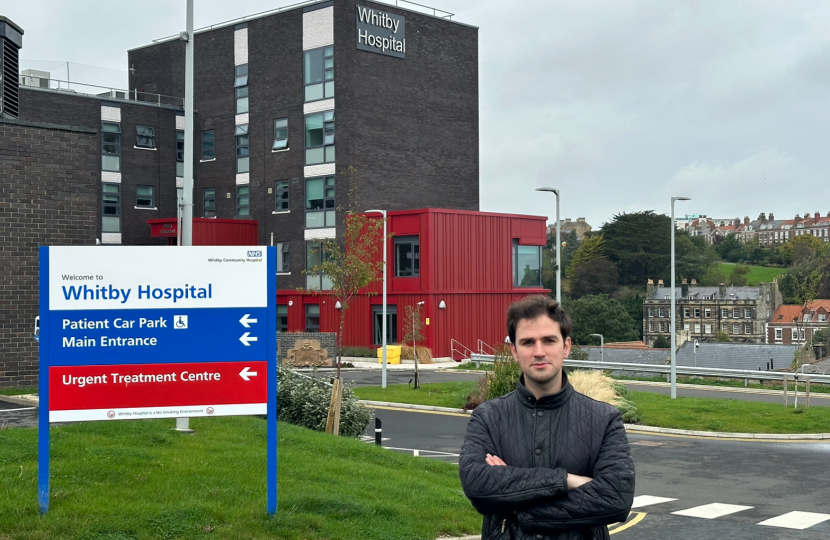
(304, 401)
(578, 353)
(358, 352)
(424, 354)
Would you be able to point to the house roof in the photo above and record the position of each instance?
(657, 357)
(750, 356)
(740, 293)
(820, 366)
(786, 313)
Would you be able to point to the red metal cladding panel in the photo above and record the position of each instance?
(529, 231)
(210, 232)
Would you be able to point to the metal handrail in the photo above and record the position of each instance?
(453, 343)
(482, 345)
(238, 20)
(684, 370)
(114, 93)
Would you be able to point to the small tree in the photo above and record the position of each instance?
(722, 337)
(662, 342)
(412, 332)
(805, 286)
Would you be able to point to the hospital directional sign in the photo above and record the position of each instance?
(156, 332)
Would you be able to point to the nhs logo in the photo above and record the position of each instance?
(254, 254)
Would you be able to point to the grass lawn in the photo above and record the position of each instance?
(485, 366)
(757, 274)
(733, 383)
(446, 394)
(135, 480)
(712, 414)
(17, 391)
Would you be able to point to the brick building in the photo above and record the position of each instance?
(702, 312)
(289, 100)
(792, 324)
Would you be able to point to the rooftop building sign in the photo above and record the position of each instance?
(380, 32)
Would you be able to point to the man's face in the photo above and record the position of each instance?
(540, 351)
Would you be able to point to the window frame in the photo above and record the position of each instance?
(240, 196)
(328, 203)
(327, 138)
(212, 142)
(724, 313)
(149, 141)
(321, 281)
(283, 258)
(697, 313)
(281, 196)
(282, 317)
(747, 313)
(241, 135)
(116, 205)
(152, 196)
(315, 329)
(517, 281)
(280, 135)
(414, 243)
(779, 334)
(115, 145)
(180, 153)
(205, 200)
(325, 73)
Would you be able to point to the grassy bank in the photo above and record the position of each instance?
(734, 383)
(17, 391)
(136, 480)
(756, 275)
(713, 414)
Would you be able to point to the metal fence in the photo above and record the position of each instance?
(683, 370)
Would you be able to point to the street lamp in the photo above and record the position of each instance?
(558, 246)
(601, 347)
(697, 344)
(383, 323)
(673, 324)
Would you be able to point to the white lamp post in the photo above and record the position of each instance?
(558, 245)
(383, 323)
(673, 324)
(601, 347)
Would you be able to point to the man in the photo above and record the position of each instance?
(545, 462)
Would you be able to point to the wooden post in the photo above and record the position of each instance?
(785, 390)
(333, 419)
(807, 393)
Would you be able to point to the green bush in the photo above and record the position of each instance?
(357, 352)
(304, 401)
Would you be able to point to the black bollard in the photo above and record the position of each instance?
(378, 431)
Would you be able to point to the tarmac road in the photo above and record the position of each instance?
(734, 484)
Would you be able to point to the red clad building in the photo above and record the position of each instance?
(467, 267)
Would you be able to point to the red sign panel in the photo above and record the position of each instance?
(134, 391)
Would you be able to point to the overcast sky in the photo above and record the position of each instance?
(619, 104)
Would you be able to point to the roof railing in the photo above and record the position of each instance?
(106, 92)
(440, 13)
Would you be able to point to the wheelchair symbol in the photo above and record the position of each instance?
(180, 322)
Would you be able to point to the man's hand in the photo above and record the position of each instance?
(494, 461)
(574, 480)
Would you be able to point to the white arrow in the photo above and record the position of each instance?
(246, 319)
(245, 373)
(246, 338)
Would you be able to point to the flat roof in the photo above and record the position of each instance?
(301, 5)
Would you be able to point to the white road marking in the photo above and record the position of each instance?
(16, 410)
(796, 520)
(712, 511)
(648, 500)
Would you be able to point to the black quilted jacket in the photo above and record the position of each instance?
(541, 441)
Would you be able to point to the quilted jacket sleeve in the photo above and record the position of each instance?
(605, 499)
(500, 489)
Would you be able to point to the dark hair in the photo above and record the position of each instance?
(535, 306)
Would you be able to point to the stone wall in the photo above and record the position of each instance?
(286, 340)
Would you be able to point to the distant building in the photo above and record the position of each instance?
(702, 312)
(796, 324)
(580, 227)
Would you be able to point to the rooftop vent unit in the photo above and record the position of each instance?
(11, 40)
(34, 78)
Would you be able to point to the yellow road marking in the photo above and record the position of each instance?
(417, 411)
(638, 517)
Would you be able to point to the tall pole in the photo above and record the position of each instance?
(601, 347)
(183, 424)
(673, 324)
(383, 323)
(558, 245)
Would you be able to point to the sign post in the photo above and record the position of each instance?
(154, 332)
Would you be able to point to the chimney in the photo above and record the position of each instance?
(659, 282)
(684, 289)
(746, 220)
(771, 217)
(722, 291)
(797, 217)
(684, 282)
(650, 288)
(817, 215)
(11, 40)
(763, 217)
(694, 281)
(736, 222)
